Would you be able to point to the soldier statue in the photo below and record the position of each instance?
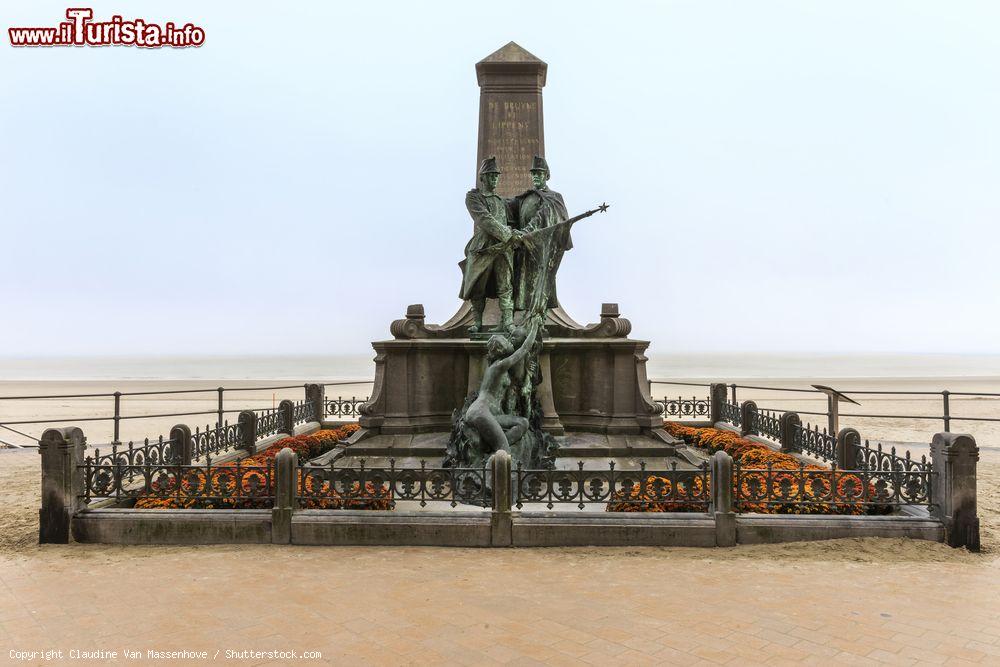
(489, 256)
(505, 413)
(534, 210)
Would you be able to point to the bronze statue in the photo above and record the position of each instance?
(486, 423)
(489, 255)
(524, 375)
(506, 412)
(536, 209)
(498, 429)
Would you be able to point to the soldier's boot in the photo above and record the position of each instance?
(507, 312)
(478, 306)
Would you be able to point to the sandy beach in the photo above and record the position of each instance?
(842, 601)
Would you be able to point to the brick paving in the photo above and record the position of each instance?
(844, 602)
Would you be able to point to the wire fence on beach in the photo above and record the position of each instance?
(698, 405)
(229, 401)
(224, 399)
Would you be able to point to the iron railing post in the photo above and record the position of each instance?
(733, 388)
(947, 410)
(222, 410)
(118, 416)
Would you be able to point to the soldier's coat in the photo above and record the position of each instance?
(537, 209)
(489, 215)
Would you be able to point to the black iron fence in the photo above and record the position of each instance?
(730, 412)
(766, 423)
(877, 458)
(844, 450)
(196, 486)
(838, 491)
(215, 440)
(304, 411)
(817, 443)
(155, 452)
(675, 489)
(671, 489)
(344, 407)
(330, 487)
(685, 408)
(268, 422)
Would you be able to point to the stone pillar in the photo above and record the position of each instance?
(550, 418)
(316, 395)
(954, 457)
(182, 446)
(848, 441)
(248, 431)
(501, 526)
(62, 484)
(510, 115)
(285, 478)
(748, 412)
(722, 500)
(477, 367)
(286, 421)
(789, 423)
(717, 398)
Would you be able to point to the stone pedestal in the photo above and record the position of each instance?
(595, 385)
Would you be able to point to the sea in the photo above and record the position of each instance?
(894, 368)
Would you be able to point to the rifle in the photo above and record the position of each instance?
(498, 247)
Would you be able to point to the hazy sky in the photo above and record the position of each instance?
(784, 176)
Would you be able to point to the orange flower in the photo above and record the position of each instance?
(223, 480)
(754, 456)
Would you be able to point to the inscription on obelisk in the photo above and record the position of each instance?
(510, 114)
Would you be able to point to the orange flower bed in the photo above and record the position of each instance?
(689, 496)
(755, 456)
(750, 454)
(224, 480)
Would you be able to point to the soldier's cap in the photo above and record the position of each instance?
(538, 163)
(489, 166)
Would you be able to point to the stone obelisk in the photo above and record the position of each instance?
(510, 114)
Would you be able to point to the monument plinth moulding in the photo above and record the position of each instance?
(592, 377)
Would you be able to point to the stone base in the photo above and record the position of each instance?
(431, 447)
(588, 384)
(472, 527)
